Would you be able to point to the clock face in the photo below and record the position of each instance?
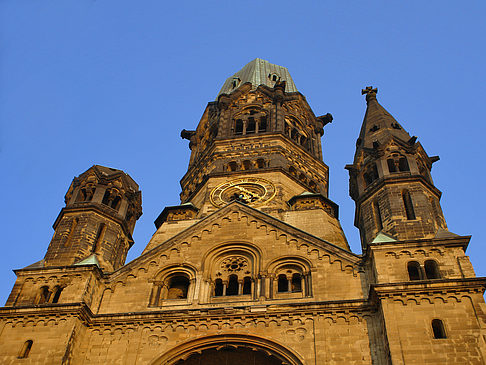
(250, 190)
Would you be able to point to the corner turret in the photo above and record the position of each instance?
(96, 225)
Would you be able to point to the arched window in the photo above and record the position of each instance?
(115, 204)
(69, 238)
(431, 270)
(57, 294)
(238, 127)
(438, 329)
(370, 174)
(232, 166)
(283, 284)
(293, 171)
(247, 285)
(296, 283)
(407, 202)
(247, 165)
(25, 350)
(106, 197)
(414, 270)
(218, 287)
(44, 295)
(251, 126)
(391, 165)
(262, 126)
(403, 164)
(178, 287)
(232, 288)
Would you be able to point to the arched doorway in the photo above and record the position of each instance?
(230, 355)
(229, 350)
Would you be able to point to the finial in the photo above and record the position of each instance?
(370, 92)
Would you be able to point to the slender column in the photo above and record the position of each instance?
(225, 284)
(289, 285)
(240, 287)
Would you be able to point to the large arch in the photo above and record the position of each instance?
(274, 352)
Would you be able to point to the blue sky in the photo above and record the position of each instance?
(113, 82)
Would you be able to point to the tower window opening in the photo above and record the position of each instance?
(260, 163)
(232, 288)
(218, 287)
(391, 165)
(115, 204)
(294, 134)
(238, 127)
(273, 77)
(236, 82)
(414, 271)
(431, 269)
(407, 202)
(403, 164)
(99, 237)
(25, 350)
(251, 126)
(232, 166)
(438, 329)
(377, 215)
(247, 165)
(282, 284)
(178, 287)
(262, 126)
(302, 178)
(44, 295)
(247, 285)
(296, 283)
(293, 171)
(57, 294)
(371, 174)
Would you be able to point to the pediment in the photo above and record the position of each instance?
(243, 223)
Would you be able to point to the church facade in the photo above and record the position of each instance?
(253, 266)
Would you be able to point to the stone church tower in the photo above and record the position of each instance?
(253, 266)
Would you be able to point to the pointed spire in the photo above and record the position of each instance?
(378, 125)
(259, 72)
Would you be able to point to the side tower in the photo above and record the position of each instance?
(429, 303)
(96, 225)
(390, 180)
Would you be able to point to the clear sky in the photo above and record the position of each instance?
(113, 82)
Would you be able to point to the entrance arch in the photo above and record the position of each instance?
(229, 350)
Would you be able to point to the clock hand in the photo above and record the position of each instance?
(251, 193)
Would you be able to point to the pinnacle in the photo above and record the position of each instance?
(378, 124)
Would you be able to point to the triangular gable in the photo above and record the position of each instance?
(236, 210)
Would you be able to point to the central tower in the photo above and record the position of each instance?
(259, 143)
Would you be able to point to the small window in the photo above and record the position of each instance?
(106, 198)
(251, 126)
(414, 271)
(431, 270)
(115, 204)
(438, 329)
(247, 285)
(293, 171)
(25, 350)
(273, 77)
(391, 165)
(232, 166)
(377, 216)
(407, 202)
(99, 237)
(236, 81)
(260, 163)
(262, 126)
(296, 283)
(247, 165)
(238, 127)
(178, 287)
(283, 284)
(403, 164)
(44, 295)
(232, 288)
(218, 288)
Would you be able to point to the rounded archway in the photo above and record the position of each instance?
(229, 349)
